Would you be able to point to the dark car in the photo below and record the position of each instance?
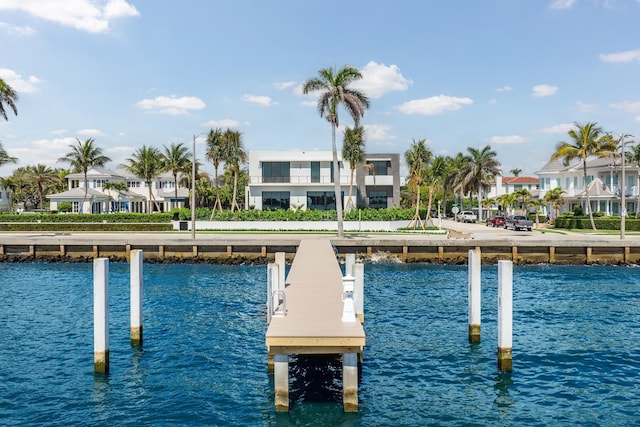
(495, 221)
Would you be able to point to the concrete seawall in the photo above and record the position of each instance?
(240, 248)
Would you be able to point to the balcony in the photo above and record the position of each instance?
(377, 180)
(297, 180)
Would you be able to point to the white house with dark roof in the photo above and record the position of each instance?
(604, 185)
(135, 198)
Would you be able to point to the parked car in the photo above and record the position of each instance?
(495, 221)
(467, 216)
(518, 222)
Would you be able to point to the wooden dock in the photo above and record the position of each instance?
(313, 321)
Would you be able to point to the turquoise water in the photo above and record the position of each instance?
(576, 358)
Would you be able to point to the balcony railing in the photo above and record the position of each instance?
(297, 180)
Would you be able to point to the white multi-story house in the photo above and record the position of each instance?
(304, 180)
(604, 184)
(133, 199)
(510, 184)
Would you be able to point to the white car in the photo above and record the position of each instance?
(467, 216)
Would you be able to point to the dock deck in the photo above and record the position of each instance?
(313, 321)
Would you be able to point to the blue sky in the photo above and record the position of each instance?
(512, 74)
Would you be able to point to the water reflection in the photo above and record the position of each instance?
(504, 383)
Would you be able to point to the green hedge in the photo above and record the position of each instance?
(121, 218)
(99, 227)
(602, 223)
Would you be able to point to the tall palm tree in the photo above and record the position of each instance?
(353, 152)
(588, 140)
(234, 156)
(478, 171)
(7, 96)
(146, 163)
(5, 157)
(335, 91)
(215, 154)
(418, 158)
(176, 159)
(82, 156)
(523, 196)
(42, 178)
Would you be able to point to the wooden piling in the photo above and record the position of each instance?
(349, 260)
(281, 261)
(358, 273)
(281, 380)
(505, 315)
(101, 315)
(474, 294)
(350, 382)
(136, 283)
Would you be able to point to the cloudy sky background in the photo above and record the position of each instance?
(511, 74)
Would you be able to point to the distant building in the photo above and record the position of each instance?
(510, 184)
(604, 185)
(304, 180)
(133, 199)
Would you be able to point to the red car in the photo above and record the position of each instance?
(495, 221)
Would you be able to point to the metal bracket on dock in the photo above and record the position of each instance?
(278, 303)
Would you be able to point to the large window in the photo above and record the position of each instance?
(378, 167)
(276, 172)
(272, 200)
(315, 171)
(322, 200)
(378, 199)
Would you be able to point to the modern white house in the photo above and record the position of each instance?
(604, 185)
(135, 198)
(304, 180)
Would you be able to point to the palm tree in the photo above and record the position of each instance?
(176, 159)
(353, 152)
(215, 154)
(234, 156)
(588, 140)
(42, 178)
(335, 91)
(453, 176)
(507, 201)
(555, 199)
(436, 174)
(146, 163)
(418, 158)
(516, 171)
(7, 96)
(478, 171)
(5, 157)
(82, 156)
(523, 195)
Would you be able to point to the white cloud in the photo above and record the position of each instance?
(91, 132)
(284, 85)
(224, 123)
(59, 132)
(503, 89)
(18, 83)
(434, 105)
(309, 103)
(377, 132)
(561, 128)
(87, 15)
(171, 105)
(627, 106)
(544, 90)
(626, 56)
(17, 31)
(507, 139)
(378, 79)
(561, 4)
(258, 99)
(586, 108)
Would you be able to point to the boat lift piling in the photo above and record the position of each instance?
(474, 293)
(101, 315)
(136, 286)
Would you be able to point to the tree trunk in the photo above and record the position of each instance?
(349, 200)
(234, 202)
(586, 190)
(336, 181)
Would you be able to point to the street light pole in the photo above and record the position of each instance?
(193, 191)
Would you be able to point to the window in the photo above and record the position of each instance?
(339, 167)
(322, 200)
(133, 184)
(378, 167)
(378, 199)
(517, 187)
(276, 171)
(315, 171)
(272, 200)
(75, 207)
